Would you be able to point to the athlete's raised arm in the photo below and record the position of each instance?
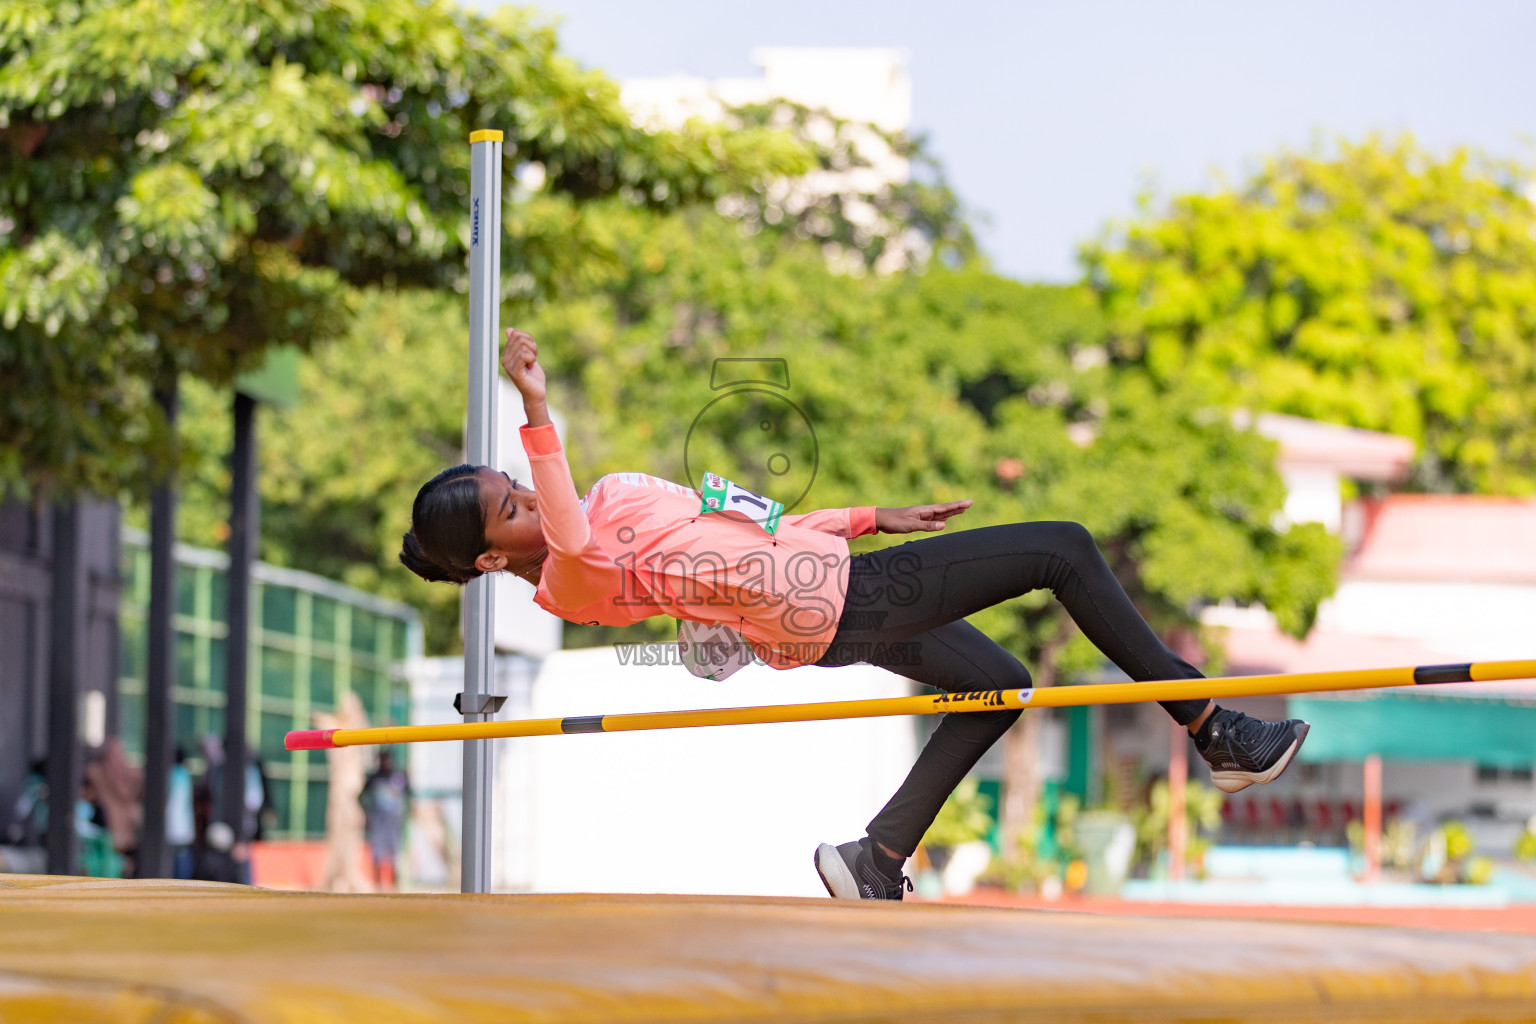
(565, 525)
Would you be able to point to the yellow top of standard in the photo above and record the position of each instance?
(485, 135)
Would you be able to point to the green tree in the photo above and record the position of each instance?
(1380, 286)
(183, 184)
(381, 410)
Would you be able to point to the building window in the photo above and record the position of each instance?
(313, 641)
(1493, 774)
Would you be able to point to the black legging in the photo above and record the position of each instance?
(905, 609)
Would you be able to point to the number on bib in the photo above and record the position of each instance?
(721, 495)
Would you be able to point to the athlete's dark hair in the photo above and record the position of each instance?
(447, 528)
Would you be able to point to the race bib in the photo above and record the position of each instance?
(711, 651)
(721, 495)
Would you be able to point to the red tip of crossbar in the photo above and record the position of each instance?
(309, 739)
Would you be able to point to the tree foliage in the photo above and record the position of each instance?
(183, 184)
(1379, 287)
(381, 410)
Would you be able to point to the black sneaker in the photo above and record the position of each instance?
(1243, 750)
(849, 873)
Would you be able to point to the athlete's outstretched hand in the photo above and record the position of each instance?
(918, 517)
(520, 358)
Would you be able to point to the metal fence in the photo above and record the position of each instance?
(313, 641)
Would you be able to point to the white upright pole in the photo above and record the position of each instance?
(480, 450)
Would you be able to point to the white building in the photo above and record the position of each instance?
(861, 86)
(1316, 458)
(857, 84)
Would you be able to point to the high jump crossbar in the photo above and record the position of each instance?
(929, 704)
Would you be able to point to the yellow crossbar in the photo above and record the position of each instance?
(928, 704)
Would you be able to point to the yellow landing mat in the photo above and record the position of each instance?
(85, 951)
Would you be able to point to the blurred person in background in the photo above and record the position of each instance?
(344, 818)
(180, 822)
(252, 811)
(98, 856)
(119, 787)
(29, 824)
(385, 798)
(256, 812)
(212, 859)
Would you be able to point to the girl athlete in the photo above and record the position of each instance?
(638, 546)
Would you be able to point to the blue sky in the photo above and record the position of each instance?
(1049, 117)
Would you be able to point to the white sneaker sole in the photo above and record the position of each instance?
(835, 874)
(1231, 782)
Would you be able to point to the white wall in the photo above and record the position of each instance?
(735, 810)
(1312, 495)
(1466, 621)
(1476, 621)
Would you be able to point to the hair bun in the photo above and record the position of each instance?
(416, 560)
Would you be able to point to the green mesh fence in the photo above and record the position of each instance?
(313, 641)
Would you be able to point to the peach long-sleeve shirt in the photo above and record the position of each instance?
(638, 546)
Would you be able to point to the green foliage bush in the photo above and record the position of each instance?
(1525, 844)
(965, 817)
(1042, 852)
(1202, 818)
